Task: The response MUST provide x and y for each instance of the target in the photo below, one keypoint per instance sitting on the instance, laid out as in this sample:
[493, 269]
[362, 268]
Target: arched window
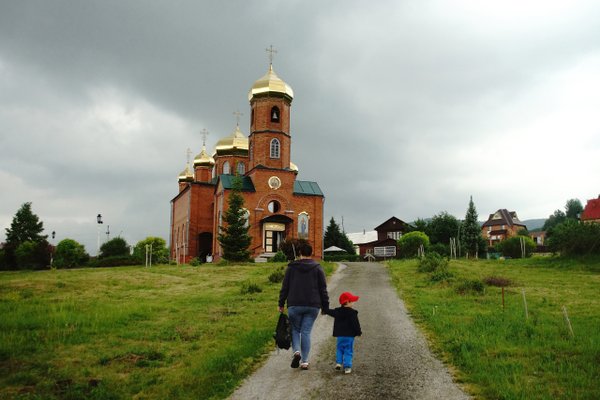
[274, 148]
[241, 168]
[226, 168]
[275, 114]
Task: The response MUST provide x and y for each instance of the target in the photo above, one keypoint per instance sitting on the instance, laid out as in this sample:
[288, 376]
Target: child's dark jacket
[345, 322]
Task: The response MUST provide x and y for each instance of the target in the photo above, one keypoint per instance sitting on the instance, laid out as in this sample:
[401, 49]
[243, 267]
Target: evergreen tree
[25, 235]
[335, 237]
[471, 237]
[25, 227]
[233, 236]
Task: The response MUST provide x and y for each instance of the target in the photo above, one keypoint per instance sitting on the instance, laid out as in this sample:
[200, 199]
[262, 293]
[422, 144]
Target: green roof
[307, 188]
[227, 182]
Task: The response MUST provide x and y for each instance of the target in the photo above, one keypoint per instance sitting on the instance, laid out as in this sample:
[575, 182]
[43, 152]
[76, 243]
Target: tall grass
[499, 353]
[153, 333]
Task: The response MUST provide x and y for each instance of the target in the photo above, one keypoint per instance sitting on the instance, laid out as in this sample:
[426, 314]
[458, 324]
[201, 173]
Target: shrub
[470, 286]
[574, 238]
[70, 254]
[409, 244]
[160, 252]
[276, 276]
[250, 287]
[194, 262]
[440, 248]
[497, 281]
[116, 247]
[279, 257]
[441, 275]
[342, 257]
[432, 262]
[511, 247]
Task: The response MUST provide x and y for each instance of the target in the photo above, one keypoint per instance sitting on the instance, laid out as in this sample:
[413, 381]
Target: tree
[573, 209]
[335, 237]
[471, 237]
[116, 247]
[511, 247]
[289, 247]
[70, 254]
[26, 227]
[442, 227]
[233, 236]
[410, 243]
[558, 217]
[420, 225]
[574, 238]
[160, 252]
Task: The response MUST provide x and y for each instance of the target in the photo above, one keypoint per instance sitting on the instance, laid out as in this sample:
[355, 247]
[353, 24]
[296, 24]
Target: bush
[116, 247]
[440, 248]
[194, 262]
[277, 275]
[497, 281]
[441, 275]
[70, 254]
[279, 257]
[409, 244]
[33, 255]
[115, 261]
[342, 257]
[250, 287]
[573, 238]
[432, 262]
[470, 286]
[511, 247]
[160, 252]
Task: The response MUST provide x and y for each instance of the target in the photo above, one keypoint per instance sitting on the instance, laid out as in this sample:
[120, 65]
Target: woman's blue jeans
[302, 319]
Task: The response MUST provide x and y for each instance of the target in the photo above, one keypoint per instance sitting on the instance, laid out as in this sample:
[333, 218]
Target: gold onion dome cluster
[186, 174]
[203, 159]
[270, 83]
[236, 141]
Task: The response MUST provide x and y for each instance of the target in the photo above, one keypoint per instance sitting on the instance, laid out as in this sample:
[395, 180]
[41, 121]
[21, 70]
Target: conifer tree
[25, 227]
[25, 245]
[233, 236]
[471, 231]
[335, 237]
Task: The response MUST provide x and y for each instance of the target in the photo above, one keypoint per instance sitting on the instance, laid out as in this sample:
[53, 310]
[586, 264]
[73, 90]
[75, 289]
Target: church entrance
[274, 234]
[204, 245]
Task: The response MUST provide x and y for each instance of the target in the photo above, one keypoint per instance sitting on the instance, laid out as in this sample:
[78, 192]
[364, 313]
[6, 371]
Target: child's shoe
[304, 366]
[338, 367]
[347, 370]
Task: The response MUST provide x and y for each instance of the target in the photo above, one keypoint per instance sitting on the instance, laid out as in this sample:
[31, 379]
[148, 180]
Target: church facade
[277, 205]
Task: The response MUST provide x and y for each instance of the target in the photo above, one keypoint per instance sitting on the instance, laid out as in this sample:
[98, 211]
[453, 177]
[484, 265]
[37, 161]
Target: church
[277, 205]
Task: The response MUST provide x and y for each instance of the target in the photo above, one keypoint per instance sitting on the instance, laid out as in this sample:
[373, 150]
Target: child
[345, 328]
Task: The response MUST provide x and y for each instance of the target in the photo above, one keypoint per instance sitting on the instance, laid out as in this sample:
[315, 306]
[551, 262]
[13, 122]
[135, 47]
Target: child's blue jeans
[344, 351]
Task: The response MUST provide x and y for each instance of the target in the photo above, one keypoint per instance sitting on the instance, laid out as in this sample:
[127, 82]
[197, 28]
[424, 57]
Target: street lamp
[52, 249]
[99, 220]
[107, 232]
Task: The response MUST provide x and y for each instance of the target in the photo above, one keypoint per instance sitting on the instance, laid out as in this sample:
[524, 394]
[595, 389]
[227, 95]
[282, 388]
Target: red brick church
[277, 205]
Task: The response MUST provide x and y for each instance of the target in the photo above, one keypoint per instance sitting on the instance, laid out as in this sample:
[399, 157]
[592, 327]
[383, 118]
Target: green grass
[499, 354]
[133, 332]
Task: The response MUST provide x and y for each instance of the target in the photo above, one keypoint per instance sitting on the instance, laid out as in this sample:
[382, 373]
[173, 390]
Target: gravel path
[391, 359]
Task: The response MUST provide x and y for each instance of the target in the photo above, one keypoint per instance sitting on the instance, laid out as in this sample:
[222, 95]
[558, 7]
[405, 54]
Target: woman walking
[305, 289]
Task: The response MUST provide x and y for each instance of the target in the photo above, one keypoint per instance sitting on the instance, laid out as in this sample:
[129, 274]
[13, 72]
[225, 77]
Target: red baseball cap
[346, 297]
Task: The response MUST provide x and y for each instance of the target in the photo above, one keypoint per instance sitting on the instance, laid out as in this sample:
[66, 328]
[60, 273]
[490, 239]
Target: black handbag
[283, 335]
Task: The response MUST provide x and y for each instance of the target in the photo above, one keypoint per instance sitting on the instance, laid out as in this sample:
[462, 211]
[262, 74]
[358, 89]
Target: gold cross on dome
[271, 52]
[238, 114]
[204, 134]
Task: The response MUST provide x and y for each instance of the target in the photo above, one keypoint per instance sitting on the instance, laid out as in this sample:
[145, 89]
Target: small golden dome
[236, 141]
[203, 159]
[293, 167]
[270, 83]
[186, 175]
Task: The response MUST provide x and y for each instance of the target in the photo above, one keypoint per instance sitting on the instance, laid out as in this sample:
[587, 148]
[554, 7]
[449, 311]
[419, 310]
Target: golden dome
[186, 174]
[293, 167]
[270, 83]
[203, 158]
[236, 141]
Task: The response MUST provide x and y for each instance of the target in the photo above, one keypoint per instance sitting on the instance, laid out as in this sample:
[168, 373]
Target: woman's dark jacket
[304, 284]
[345, 322]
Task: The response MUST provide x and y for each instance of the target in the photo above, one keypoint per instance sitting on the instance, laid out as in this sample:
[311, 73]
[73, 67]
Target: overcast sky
[401, 108]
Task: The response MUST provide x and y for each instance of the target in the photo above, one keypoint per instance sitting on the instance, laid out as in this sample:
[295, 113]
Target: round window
[273, 206]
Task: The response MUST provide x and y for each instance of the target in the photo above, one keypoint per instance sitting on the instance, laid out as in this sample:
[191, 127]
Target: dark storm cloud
[400, 108]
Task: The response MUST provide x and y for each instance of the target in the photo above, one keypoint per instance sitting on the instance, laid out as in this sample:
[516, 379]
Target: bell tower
[270, 103]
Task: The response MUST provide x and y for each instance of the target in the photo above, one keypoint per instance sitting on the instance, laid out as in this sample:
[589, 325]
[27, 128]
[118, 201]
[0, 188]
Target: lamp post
[99, 220]
[107, 232]
[52, 248]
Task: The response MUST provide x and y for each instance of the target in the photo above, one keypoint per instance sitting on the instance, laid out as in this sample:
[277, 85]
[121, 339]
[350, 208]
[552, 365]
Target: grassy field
[500, 353]
[132, 332]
